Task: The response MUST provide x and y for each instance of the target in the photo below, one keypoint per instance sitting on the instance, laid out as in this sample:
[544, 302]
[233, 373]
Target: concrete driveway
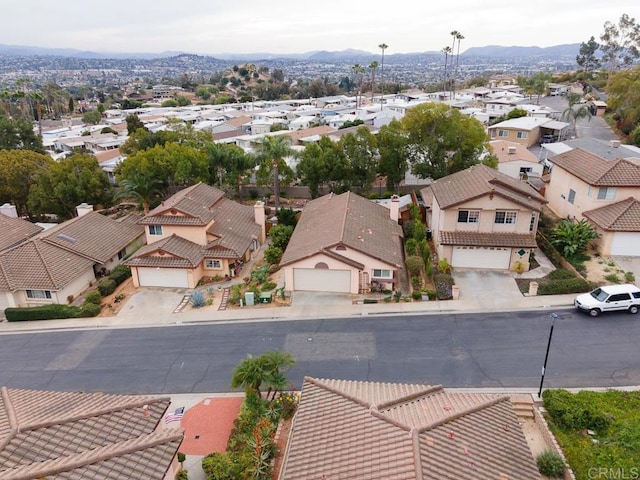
[150, 300]
[487, 289]
[629, 264]
[314, 299]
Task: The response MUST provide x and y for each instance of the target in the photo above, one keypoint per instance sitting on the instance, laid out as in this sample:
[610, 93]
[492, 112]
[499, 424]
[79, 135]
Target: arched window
[341, 247]
[321, 265]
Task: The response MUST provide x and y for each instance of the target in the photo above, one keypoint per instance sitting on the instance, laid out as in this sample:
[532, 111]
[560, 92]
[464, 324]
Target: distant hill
[348, 55]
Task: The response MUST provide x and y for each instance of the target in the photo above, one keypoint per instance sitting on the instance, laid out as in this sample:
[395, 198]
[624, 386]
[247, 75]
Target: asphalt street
[456, 350]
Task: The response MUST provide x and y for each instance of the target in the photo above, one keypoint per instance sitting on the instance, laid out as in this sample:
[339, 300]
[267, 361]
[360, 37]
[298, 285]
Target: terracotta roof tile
[494, 239]
[423, 433]
[478, 181]
[350, 220]
[623, 216]
[192, 206]
[597, 171]
[83, 436]
[95, 236]
[235, 226]
[178, 252]
[14, 231]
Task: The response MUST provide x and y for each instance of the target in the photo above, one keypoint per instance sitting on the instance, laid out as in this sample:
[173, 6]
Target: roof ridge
[94, 413]
[411, 396]
[343, 227]
[463, 413]
[44, 264]
[99, 454]
[326, 387]
[14, 428]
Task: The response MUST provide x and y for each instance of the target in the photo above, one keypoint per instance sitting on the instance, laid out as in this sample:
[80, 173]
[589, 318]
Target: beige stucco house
[196, 233]
[515, 160]
[605, 192]
[527, 131]
[344, 243]
[481, 218]
[62, 262]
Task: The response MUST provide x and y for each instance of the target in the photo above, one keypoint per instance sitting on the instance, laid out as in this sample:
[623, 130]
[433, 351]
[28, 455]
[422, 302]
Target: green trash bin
[265, 297]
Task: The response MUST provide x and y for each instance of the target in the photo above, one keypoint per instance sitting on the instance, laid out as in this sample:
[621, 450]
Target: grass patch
[614, 419]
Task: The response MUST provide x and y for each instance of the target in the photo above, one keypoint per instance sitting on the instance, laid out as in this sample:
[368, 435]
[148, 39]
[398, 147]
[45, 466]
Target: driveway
[487, 289]
[314, 299]
[150, 300]
[629, 264]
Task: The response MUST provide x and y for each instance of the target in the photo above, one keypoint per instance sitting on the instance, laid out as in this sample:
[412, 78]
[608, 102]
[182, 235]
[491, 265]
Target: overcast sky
[279, 26]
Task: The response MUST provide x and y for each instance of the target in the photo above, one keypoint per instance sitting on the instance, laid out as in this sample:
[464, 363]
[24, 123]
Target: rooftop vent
[66, 237]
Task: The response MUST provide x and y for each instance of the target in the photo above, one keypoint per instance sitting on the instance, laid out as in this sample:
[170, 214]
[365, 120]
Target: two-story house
[196, 233]
[527, 131]
[605, 192]
[481, 218]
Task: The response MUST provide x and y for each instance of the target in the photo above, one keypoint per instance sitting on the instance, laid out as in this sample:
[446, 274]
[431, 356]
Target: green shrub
[92, 297]
[431, 293]
[220, 466]
[411, 246]
[43, 312]
[89, 310]
[613, 278]
[629, 277]
[444, 266]
[273, 254]
[550, 464]
[120, 273]
[443, 283]
[574, 411]
[369, 300]
[267, 286]
[416, 282]
[416, 295]
[560, 274]
[408, 229]
[414, 264]
[560, 287]
[182, 474]
[106, 286]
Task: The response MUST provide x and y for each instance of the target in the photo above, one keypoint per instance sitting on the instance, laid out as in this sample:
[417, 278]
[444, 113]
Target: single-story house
[344, 243]
[196, 233]
[515, 160]
[372, 430]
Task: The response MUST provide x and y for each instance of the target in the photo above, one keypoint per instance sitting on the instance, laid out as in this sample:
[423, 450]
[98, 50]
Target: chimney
[614, 143]
[9, 210]
[394, 208]
[260, 217]
[83, 209]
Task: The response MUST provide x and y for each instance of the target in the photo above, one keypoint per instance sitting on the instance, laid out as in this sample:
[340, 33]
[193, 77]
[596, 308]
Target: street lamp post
[554, 317]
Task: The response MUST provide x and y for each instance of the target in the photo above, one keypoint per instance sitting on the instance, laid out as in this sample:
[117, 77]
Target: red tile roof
[480, 181]
[190, 206]
[488, 239]
[82, 436]
[371, 430]
[623, 216]
[597, 171]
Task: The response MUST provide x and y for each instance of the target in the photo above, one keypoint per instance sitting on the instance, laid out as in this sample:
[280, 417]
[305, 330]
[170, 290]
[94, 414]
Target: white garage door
[163, 277]
[626, 243]
[481, 257]
[321, 280]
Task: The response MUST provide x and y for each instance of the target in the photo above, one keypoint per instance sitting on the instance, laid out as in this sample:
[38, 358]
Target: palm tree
[573, 113]
[273, 150]
[275, 362]
[459, 37]
[446, 51]
[358, 71]
[383, 47]
[250, 374]
[373, 67]
[142, 188]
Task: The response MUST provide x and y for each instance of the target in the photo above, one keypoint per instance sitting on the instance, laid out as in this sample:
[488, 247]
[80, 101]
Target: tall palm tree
[576, 111]
[142, 188]
[373, 67]
[447, 52]
[358, 71]
[383, 47]
[250, 374]
[273, 150]
[459, 37]
[275, 362]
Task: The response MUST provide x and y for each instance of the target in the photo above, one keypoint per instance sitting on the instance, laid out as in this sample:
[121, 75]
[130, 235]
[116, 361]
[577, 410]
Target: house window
[39, 294]
[155, 229]
[522, 135]
[572, 196]
[122, 253]
[506, 217]
[532, 223]
[468, 216]
[606, 193]
[212, 263]
[503, 133]
[379, 273]
[526, 169]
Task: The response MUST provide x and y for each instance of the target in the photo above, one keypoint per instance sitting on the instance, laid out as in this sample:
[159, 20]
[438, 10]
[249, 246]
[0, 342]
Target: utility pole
[554, 317]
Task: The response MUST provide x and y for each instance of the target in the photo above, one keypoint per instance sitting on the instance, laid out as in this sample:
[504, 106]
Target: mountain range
[348, 55]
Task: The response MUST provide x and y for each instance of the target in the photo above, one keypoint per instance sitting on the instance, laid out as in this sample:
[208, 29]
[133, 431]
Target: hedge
[106, 286]
[559, 287]
[120, 273]
[50, 312]
[92, 297]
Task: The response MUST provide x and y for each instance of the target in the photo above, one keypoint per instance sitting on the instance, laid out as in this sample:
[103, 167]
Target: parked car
[609, 298]
[548, 138]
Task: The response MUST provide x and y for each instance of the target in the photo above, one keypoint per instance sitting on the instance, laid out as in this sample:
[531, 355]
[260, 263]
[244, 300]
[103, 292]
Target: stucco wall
[513, 168]
[194, 234]
[75, 288]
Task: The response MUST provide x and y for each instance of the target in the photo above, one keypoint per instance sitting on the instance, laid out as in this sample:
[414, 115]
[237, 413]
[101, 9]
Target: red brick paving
[211, 423]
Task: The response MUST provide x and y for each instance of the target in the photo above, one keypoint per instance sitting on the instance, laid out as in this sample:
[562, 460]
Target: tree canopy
[624, 98]
[68, 183]
[19, 133]
[19, 170]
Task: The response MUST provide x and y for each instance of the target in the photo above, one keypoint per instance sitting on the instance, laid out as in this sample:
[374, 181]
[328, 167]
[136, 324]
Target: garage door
[322, 280]
[626, 243]
[163, 277]
[481, 257]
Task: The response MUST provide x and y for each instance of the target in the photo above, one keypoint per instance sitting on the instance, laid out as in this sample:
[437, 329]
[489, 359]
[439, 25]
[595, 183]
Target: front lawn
[598, 431]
